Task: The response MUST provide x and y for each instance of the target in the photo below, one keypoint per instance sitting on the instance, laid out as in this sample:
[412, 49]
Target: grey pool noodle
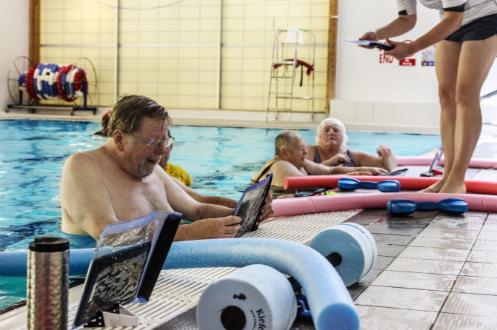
[329, 300]
[357, 232]
[354, 254]
[373, 249]
[251, 297]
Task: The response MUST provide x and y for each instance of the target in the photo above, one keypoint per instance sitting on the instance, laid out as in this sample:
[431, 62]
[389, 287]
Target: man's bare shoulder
[83, 161]
[282, 164]
[285, 168]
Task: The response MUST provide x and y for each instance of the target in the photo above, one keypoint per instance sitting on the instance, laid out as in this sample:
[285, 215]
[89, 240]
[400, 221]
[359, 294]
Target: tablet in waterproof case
[250, 205]
[126, 264]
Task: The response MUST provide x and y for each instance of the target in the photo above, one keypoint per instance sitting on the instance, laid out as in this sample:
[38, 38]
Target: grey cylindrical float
[48, 284]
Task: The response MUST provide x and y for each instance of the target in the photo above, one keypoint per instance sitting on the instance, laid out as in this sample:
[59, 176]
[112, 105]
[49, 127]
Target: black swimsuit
[350, 163]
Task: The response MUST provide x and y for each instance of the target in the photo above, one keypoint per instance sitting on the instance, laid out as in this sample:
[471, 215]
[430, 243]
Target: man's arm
[86, 205]
[317, 169]
[217, 200]
[180, 201]
[225, 227]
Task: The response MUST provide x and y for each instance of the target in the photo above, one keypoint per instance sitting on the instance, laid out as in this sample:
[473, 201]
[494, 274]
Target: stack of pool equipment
[350, 248]
[253, 297]
[50, 81]
[259, 297]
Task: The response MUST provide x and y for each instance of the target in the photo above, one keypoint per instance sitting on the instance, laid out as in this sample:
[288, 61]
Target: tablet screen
[249, 206]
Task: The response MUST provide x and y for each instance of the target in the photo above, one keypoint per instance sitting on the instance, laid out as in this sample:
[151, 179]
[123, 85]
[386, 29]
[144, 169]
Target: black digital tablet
[125, 273]
[381, 45]
[250, 204]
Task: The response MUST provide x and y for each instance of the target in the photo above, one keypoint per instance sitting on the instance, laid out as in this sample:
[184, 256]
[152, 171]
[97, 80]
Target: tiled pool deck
[434, 272]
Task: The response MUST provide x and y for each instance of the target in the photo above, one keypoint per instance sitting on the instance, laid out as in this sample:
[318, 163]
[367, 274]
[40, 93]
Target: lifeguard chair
[294, 52]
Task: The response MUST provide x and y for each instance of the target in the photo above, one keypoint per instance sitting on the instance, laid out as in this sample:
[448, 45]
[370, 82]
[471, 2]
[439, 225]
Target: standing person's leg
[475, 61]
[446, 59]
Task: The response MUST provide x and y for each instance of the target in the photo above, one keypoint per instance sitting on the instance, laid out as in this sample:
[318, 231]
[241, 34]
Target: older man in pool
[121, 179]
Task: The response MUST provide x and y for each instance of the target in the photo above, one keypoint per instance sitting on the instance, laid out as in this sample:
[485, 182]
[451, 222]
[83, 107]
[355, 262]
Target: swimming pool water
[220, 161]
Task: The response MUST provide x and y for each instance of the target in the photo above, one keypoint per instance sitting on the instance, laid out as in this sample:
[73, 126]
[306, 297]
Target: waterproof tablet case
[250, 205]
[127, 262]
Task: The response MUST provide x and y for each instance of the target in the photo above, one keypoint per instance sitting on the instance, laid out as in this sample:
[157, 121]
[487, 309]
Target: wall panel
[169, 50]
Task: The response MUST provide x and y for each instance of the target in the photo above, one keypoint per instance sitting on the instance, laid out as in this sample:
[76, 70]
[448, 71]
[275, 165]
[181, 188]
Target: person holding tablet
[121, 180]
[466, 47]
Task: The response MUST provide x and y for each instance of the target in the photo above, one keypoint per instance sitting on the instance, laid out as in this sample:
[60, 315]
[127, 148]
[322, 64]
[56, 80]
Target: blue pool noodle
[329, 300]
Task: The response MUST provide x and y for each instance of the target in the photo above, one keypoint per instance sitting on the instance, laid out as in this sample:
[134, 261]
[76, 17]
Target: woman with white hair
[331, 149]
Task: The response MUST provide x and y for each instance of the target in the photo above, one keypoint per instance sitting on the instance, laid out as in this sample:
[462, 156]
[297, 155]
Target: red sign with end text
[407, 62]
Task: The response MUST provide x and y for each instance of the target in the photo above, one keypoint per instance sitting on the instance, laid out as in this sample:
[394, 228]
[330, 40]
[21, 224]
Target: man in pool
[121, 180]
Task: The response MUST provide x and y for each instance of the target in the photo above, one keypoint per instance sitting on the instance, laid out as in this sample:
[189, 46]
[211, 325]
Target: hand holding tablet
[250, 205]
[372, 44]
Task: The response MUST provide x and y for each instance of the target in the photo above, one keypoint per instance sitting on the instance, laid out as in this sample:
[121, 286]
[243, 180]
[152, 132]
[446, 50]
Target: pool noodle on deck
[330, 302]
[406, 182]
[341, 202]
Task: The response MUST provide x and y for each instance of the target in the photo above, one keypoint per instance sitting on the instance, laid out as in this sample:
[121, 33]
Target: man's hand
[225, 227]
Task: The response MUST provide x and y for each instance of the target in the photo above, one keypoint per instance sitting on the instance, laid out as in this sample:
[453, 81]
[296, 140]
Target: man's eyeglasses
[154, 143]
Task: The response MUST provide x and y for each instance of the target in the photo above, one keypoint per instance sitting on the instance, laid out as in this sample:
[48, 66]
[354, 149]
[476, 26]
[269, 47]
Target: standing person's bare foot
[453, 188]
[434, 188]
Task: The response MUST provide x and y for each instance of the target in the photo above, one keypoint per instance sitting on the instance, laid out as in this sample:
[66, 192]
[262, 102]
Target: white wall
[378, 96]
[14, 39]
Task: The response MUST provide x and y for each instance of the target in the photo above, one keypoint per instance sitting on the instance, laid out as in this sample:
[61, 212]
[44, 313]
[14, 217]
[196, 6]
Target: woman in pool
[466, 46]
[331, 149]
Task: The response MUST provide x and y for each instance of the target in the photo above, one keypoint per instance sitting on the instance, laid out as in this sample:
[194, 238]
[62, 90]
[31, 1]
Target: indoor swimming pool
[220, 161]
